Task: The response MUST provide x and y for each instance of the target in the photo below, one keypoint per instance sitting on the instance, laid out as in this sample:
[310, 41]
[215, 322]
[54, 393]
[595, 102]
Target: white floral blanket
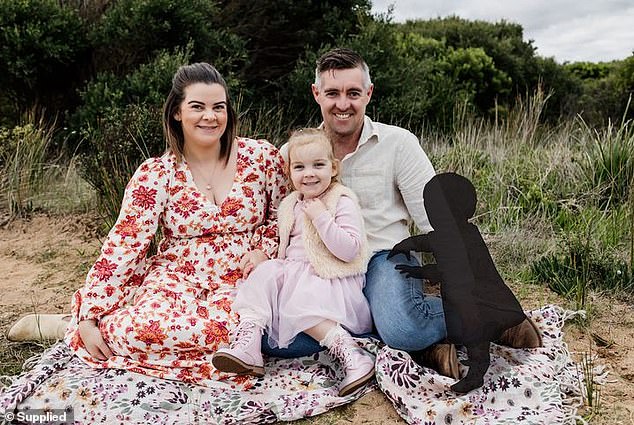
[522, 386]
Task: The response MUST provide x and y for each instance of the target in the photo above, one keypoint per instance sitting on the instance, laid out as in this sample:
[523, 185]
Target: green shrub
[120, 126]
[42, 48]
[578, 267]
[609, 162]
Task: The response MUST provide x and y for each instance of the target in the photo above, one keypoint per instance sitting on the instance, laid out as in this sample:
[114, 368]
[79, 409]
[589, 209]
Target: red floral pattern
[165, 315]
[144, 197]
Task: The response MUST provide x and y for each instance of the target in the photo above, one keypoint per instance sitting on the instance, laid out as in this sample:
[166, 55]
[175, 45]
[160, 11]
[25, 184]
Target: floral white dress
[165, 315]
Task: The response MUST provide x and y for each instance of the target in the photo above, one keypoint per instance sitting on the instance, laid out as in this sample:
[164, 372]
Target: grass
[14, 354]
[554, 182]
[591, 389]
[22, 157]
[34, 177]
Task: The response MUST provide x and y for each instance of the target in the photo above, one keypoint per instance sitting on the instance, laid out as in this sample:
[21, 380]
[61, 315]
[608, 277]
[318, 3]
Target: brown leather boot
[524, 335]
[442, 357]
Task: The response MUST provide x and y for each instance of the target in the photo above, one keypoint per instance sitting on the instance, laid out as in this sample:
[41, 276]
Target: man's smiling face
[343, 97]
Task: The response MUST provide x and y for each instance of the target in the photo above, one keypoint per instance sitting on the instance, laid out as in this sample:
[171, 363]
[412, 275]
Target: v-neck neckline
[190, 176]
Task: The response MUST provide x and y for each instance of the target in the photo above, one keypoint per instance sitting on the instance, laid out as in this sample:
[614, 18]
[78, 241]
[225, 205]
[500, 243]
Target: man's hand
[313, 208]
[93, 341]
[250, 261]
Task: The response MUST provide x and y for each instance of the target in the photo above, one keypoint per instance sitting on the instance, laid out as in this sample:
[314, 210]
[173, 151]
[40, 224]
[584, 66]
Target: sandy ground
[44, 259]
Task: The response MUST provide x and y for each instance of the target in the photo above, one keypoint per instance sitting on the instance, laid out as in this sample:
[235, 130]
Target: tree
[42, 51]
[277, 32]
[131, 32]
[502, 41]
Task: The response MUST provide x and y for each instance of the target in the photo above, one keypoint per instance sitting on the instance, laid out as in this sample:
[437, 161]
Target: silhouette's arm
[428, 271]
[410, 271]
[418, 243]
[431, 273]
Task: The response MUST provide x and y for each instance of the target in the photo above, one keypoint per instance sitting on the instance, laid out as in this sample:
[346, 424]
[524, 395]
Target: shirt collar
[369, 131]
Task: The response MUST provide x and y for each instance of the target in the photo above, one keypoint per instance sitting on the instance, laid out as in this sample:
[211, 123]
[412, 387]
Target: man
[387, 169]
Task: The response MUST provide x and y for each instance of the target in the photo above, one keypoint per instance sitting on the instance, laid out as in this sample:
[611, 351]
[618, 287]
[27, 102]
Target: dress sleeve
[413, 171]
[266, 236]
[109, 280]
[342, 233]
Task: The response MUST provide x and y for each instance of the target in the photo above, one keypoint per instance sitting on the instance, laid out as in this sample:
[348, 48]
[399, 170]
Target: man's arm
[413, 170]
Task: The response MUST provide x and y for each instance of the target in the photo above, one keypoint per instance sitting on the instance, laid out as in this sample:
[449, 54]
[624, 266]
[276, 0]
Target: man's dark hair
[341, 58]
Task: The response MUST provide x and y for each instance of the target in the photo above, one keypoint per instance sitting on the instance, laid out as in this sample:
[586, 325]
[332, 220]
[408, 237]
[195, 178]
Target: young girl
[315, 286]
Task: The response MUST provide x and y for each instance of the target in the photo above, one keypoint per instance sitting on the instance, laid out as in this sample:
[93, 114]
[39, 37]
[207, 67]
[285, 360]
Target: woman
[214, 196]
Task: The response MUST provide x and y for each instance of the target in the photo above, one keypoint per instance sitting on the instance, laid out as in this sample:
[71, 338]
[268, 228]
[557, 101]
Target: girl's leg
[244, 355]
[320, 330]
[256, 303]
[357, 365]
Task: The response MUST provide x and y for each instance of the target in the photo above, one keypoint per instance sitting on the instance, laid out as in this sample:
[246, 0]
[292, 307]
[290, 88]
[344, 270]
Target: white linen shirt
[387, 171]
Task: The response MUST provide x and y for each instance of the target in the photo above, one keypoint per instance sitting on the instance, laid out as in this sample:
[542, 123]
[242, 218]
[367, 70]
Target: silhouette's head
[449, 199]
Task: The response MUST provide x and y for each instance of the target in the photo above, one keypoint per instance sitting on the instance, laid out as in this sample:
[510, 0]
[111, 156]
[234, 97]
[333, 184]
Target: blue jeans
[303, 345]
[404, 317]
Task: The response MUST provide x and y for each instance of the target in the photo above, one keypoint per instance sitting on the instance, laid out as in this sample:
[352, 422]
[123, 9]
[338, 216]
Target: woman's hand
[93, 341]
[313, 207]
[250, 260]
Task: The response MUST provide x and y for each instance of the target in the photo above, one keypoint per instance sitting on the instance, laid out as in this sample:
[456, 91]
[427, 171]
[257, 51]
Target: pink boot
[357, 364]
[244, 355]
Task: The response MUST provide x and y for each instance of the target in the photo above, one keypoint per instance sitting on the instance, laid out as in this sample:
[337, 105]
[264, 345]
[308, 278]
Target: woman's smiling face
[203, 114]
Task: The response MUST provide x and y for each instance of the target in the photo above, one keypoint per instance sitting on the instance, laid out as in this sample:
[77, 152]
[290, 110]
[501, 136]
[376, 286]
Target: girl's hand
[313, 207]
[250, 260]
[93, 341]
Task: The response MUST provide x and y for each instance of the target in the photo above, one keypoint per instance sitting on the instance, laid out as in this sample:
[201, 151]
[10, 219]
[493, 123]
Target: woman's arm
[265, 237]
[110, 278]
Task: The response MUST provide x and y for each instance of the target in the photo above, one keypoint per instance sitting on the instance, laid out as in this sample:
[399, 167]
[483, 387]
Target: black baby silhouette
[478, 305]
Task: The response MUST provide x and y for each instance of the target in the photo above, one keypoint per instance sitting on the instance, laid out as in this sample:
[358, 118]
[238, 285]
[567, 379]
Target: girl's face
[203, 114]
[311, 169]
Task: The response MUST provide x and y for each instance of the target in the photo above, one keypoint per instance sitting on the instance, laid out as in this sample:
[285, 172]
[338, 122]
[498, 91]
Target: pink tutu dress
[286, 296]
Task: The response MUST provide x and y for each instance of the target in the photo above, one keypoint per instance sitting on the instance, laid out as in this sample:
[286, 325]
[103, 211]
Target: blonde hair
[304, 137]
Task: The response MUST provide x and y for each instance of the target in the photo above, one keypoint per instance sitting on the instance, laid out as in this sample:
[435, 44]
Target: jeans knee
[409, 332]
